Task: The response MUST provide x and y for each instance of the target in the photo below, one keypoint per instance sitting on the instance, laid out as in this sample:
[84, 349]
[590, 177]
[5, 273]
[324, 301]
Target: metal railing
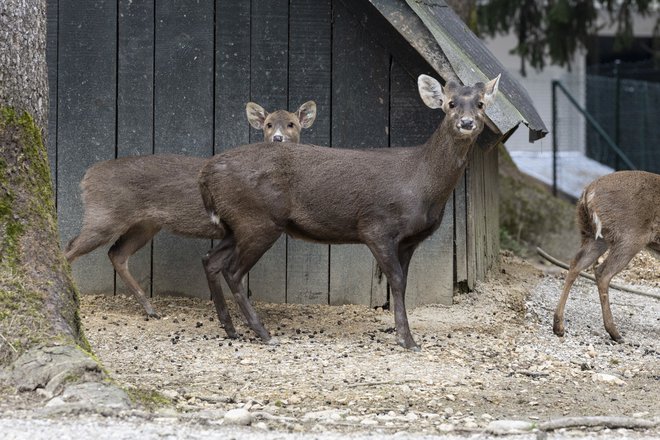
[591, 121]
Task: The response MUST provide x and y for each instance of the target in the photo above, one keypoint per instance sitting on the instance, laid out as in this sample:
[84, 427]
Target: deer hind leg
[214, 262]
[589, 252]
[617, 259]
[389, 260]
[128, 244]
[240, 256]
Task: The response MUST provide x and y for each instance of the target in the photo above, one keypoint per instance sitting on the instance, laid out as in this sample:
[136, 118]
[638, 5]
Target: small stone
[445, 427]
[449, 411]
[369, 422]
[591, 351]
[607, 378]
[55, 401]
[450, 397]
[238, 416]
[261, 425]
[502, 427]
[411, 416]
[170, 394]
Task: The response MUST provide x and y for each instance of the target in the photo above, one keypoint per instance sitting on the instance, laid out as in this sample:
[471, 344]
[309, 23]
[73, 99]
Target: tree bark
[38, 300]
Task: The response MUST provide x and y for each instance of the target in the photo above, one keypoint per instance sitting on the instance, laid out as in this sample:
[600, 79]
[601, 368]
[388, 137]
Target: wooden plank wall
[135, 78]
[135, 105]
[86, 118]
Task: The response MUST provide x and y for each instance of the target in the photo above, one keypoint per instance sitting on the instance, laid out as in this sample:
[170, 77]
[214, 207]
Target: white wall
[538, 84]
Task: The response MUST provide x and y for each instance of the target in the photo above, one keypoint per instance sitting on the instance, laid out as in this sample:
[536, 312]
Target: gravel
[338, 371]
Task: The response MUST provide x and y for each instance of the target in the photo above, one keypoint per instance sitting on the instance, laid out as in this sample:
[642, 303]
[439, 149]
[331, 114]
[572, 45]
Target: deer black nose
[467, 123]
[277, 138]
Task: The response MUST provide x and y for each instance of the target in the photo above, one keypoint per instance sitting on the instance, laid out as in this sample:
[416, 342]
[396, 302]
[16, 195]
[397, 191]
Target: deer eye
[269, 125]
[451, 104]
[290, 125]
[480, 105]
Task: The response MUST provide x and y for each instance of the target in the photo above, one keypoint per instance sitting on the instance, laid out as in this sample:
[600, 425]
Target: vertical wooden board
[460, 232]
[470, 222]
[493, 212]
[411, 121]
[135, 93]
[431, 272]
[52, 18]
[360, 113]
[310, 47]
[135, 78]
[183, 123]
[86, 120]
[269, 83]
[232, 78]
[479, 208]
[232, 74]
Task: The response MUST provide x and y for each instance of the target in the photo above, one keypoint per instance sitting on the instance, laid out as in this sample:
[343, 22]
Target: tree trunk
[38, 300]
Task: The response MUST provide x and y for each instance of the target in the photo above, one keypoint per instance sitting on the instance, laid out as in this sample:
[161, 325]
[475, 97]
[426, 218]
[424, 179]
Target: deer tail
[587, 218]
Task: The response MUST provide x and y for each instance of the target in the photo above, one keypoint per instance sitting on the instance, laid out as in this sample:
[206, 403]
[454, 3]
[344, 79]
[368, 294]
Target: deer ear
[490, 89]
[431, 91]
[307, 114]
[256, 115]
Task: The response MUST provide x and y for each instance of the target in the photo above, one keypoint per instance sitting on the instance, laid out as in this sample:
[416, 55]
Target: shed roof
[449, 47]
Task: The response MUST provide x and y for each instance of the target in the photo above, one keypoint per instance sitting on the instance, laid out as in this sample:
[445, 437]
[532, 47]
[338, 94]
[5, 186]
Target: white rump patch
[215, 219]
[599, 226]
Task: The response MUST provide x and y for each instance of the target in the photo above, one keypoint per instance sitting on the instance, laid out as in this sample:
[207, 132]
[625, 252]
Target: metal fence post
[617, 110]
[554, 138]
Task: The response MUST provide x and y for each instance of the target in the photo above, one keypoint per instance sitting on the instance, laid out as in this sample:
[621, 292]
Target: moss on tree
[32, 269]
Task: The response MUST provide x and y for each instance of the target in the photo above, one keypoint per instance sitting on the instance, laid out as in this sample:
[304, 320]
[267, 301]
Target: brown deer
[619, 212]
[389, 199]
[129, 200]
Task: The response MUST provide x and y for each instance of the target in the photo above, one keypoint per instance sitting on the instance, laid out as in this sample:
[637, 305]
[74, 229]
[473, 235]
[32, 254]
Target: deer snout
[466, 124]
[278, 138]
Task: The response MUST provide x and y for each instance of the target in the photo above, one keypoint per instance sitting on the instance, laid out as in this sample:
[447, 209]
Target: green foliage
[556, 29]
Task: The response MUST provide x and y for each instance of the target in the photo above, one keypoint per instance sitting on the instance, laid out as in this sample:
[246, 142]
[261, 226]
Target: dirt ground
[490, 356]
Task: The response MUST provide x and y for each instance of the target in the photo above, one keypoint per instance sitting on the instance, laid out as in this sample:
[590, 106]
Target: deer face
[281, 125]
[464, 106]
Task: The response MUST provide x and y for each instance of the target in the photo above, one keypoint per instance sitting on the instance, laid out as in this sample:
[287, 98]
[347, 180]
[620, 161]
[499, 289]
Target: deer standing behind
[390, 199]
[619, 212]
[128, 201]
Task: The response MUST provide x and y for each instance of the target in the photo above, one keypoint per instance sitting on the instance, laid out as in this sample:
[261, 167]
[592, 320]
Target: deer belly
[322, 232]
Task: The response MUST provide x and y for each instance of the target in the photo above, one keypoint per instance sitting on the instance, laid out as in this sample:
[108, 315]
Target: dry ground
[490, 356]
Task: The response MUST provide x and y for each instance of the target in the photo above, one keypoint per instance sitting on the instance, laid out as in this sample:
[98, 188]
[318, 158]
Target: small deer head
[281, 125]
[464, 106]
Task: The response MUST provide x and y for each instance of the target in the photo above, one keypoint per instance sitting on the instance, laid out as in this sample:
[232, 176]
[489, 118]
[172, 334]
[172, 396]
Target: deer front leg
[388, 260]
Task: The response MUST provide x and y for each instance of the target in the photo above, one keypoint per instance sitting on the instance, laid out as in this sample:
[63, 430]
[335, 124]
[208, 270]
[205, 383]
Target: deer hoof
[272, 341]
[616, 338]
[231, 333]
[410, 345]
[153, 315]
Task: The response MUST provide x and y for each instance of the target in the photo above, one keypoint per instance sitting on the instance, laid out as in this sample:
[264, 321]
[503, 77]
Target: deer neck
[446, 154]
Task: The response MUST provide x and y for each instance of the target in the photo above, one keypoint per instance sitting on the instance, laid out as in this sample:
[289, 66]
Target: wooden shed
[145, 77]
